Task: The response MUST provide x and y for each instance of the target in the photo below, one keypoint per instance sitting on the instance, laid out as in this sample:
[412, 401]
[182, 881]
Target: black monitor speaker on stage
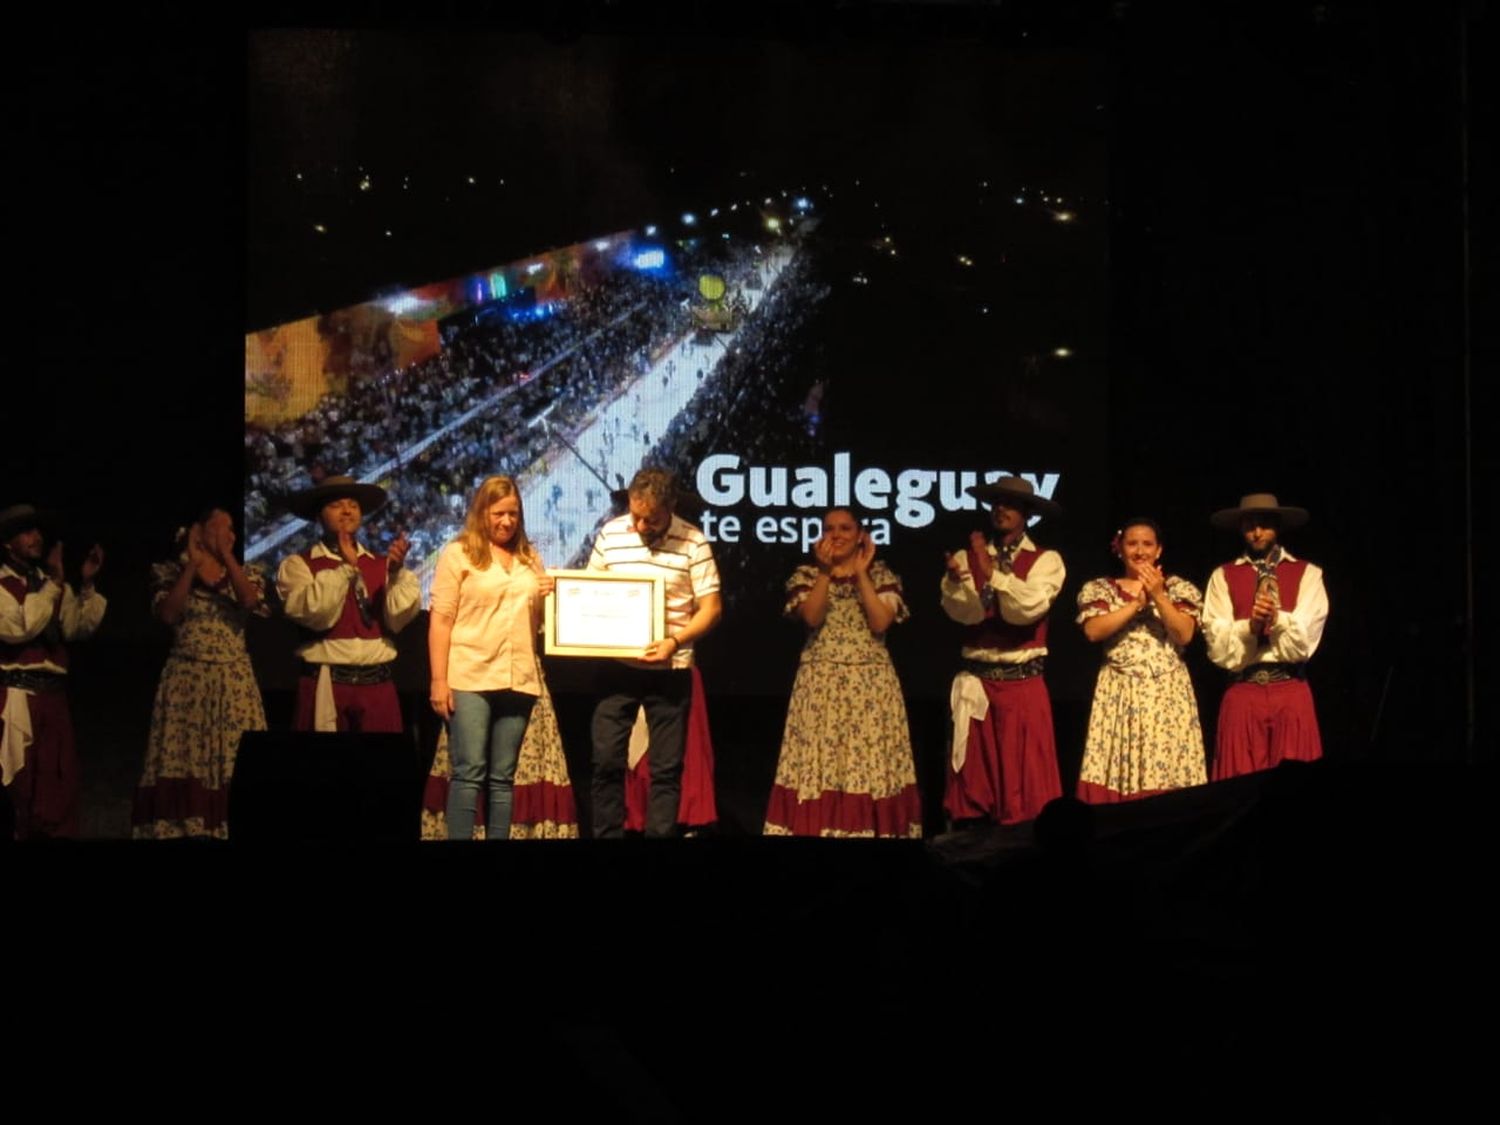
[308, 786]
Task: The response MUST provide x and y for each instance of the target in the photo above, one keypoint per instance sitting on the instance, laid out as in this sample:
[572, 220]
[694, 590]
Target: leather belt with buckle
[1269, 674]
[989, 671]
[360, 675]
[34, 680]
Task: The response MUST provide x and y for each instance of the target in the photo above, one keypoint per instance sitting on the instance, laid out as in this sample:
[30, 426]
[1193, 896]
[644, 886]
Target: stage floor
[1316, 932]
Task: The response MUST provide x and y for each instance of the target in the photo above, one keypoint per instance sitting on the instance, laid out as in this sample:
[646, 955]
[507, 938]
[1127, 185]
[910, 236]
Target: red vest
[350, 624]
[36, 651]
[994, 631]
[1241, 578]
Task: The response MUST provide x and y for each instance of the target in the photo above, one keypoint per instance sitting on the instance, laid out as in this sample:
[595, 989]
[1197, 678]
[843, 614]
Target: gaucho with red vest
[1003, 762]
[350, 603]
[1263, 616]
[39, 615]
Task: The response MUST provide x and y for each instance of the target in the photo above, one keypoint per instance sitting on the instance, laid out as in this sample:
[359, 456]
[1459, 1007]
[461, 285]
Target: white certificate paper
[595, 613]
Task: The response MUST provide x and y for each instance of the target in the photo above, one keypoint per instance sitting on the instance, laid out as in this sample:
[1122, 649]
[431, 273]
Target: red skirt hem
[838, 813]
[1103, 795]
[178, 799]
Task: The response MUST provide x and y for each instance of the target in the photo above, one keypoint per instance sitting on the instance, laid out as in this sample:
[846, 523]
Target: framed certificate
[596, 613]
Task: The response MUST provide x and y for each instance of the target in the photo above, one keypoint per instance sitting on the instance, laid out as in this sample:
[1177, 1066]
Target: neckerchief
[360, 590]
[1266, 581]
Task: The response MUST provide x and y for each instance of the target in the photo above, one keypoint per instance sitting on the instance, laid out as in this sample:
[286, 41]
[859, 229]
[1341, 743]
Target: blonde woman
[486, 602]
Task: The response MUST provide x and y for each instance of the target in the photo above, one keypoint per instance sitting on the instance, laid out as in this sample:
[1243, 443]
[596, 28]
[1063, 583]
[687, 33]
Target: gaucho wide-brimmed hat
[309, 502]
[1016, 492]
[1258, 503]
[23, 517]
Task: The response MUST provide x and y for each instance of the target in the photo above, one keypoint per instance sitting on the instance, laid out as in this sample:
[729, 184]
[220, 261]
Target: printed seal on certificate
[598, 613]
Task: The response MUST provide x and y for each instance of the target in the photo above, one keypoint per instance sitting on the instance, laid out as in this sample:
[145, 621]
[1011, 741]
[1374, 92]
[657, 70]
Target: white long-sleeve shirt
[1019, 601]
[1295, 633]
[22, 622]
[316, 601]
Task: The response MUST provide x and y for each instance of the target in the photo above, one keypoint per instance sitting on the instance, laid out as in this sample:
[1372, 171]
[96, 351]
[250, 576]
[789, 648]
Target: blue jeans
[484, 741]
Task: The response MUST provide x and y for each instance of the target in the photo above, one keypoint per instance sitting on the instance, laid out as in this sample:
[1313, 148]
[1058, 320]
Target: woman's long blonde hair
[475, 535]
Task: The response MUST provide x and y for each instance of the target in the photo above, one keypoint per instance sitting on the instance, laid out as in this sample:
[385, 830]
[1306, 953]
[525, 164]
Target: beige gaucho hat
[1018, 493]
[1258, 503]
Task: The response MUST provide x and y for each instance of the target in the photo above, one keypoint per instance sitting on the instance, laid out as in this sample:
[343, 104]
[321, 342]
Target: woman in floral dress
[846, 762]
[207, 696]
[1144, 736]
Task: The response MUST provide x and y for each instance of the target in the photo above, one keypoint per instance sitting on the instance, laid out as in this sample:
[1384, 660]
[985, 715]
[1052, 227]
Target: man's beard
[1268, 554]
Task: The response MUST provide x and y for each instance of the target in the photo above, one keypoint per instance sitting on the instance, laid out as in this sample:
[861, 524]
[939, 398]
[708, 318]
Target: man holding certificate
[650, 541]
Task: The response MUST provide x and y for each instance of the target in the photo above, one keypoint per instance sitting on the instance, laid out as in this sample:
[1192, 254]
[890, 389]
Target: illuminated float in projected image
[716, 310]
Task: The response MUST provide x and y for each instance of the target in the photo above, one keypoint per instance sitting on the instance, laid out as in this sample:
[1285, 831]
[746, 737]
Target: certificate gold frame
[598, 613]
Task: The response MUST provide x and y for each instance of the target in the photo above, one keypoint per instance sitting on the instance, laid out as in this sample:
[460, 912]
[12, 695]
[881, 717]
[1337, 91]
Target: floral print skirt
[846, 761]
[202, 708]
[1144, 736]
